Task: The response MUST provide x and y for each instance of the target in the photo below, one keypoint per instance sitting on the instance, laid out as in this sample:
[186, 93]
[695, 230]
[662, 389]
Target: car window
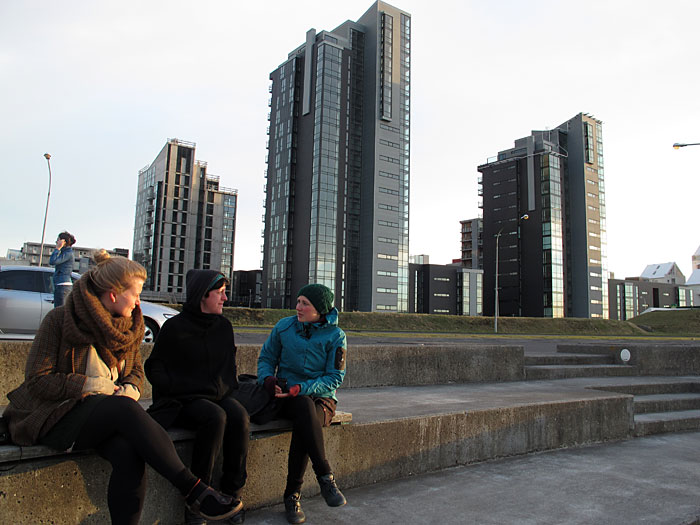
[20, 280]
[47, 282]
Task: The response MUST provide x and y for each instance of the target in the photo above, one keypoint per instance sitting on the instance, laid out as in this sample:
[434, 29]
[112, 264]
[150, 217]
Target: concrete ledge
[361, 453]
[368, 365]
[408, 365]
[13, 453]
[651, 359]
[387, 365]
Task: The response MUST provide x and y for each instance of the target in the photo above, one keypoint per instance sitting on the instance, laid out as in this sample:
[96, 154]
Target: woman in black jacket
[193, 369]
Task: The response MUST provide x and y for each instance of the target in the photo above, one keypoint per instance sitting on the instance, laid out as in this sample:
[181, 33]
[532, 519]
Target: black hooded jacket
[194, 356]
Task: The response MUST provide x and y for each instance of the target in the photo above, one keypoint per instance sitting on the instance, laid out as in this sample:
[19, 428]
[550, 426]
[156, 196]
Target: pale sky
[101, 86]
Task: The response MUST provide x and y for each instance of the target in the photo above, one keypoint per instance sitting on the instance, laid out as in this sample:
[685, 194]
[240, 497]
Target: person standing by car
[302, 363]
[192, 369]
[82, 383]
[62, 258]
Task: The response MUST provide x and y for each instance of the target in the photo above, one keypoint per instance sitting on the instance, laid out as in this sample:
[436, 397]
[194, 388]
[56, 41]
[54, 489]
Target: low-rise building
[630, 297]
[30, 252]
[246, 289]
[663, 273]
[445, 289]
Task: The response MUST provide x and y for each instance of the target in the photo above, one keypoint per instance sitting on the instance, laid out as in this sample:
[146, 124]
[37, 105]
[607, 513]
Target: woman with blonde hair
[82, 382]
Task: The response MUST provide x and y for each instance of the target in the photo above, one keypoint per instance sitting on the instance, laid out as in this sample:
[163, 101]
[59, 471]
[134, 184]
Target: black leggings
[223, 422]
[126, 436]
[307, 440]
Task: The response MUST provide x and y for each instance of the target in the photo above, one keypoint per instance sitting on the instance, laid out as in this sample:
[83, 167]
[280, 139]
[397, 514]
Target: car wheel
[149, 336]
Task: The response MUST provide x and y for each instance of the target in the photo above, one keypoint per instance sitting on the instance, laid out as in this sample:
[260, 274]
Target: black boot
[292, 508]
[330, 491]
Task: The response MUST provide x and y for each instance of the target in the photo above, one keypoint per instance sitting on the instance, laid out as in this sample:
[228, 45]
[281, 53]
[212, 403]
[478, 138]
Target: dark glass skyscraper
[337, 192]
[544, 200]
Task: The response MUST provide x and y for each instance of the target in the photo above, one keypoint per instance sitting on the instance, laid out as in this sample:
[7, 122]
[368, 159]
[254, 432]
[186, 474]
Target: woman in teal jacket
[302, 363]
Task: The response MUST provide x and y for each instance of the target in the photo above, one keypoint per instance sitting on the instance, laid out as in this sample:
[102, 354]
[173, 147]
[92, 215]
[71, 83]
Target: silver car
[26, 296]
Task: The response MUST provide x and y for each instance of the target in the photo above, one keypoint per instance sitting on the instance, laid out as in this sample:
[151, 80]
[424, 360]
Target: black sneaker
[193, 519]
[292, 508]
[210, 504]
[237, 518]
[330, 491]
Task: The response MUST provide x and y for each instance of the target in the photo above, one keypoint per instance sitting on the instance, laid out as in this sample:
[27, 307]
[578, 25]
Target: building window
[386, 307]
[387, 240]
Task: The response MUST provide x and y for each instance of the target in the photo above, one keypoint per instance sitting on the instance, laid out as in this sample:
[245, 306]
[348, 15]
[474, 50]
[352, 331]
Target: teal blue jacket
[311, 355]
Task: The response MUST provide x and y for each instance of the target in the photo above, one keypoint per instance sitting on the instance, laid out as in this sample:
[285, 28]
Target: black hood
[198, 282]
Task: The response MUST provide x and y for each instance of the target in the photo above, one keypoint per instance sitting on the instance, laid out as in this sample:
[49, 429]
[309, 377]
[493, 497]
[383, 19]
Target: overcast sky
[102, 85]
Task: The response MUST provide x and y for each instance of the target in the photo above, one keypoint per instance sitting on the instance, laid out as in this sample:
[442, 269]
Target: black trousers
[126, 436]
[307, 419]
[218, 425]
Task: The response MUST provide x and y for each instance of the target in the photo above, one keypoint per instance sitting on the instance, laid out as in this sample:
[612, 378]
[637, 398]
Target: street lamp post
[495, 309]
[46, 213]
[678, 145]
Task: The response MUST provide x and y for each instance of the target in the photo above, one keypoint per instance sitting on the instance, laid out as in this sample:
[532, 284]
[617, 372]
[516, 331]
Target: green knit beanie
[319, 295]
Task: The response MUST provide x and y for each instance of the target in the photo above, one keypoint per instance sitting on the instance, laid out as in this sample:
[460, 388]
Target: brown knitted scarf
[87, 321]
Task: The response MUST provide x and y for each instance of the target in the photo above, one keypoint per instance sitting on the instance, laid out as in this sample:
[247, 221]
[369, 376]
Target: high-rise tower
[544, 200]
[184, 219]
[337, 192]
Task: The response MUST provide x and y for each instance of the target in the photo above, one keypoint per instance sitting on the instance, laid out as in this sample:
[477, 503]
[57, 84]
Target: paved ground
[652, 480]
[414, 401]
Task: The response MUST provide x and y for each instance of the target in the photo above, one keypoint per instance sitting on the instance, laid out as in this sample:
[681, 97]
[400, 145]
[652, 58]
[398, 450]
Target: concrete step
[568, 359]
[661, 422]
[643, 389]
[666, 402]
[545, 372]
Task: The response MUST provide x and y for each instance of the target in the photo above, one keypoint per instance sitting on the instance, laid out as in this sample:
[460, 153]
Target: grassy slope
[682, 323]
[447, 323]
[672, 322]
